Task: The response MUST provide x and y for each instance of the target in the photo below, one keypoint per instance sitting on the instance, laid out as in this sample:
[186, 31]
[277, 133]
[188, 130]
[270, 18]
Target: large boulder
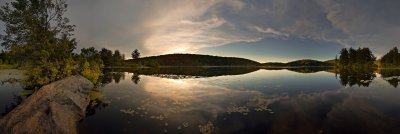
[56, 108]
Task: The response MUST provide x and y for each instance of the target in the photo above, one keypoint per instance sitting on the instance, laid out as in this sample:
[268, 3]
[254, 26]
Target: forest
[39, 39]
[391, 59]
[363, 57]
[191, 60]
[351, 58]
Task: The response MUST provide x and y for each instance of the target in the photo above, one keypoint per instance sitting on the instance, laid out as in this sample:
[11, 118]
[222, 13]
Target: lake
[238, 100]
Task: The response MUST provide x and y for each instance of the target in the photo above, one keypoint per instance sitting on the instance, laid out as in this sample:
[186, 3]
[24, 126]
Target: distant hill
[274, 64]
[187, 72]
[191, 60]
[299, 63]
[331, 62]
[308, 62]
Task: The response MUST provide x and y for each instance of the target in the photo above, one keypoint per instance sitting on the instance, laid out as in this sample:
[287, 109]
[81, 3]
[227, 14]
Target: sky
[261, 30]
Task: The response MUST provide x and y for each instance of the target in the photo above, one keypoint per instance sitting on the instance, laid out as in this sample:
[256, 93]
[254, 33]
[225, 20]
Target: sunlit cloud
[187, 26]
[270, 31]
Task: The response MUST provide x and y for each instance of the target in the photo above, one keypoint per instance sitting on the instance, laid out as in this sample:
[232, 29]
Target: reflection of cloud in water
[194, 95]
[186, 104]
[191, 103]
[344, 111]
[191, 90]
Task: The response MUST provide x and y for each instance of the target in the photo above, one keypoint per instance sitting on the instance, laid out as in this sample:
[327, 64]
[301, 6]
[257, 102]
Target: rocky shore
[55, 108]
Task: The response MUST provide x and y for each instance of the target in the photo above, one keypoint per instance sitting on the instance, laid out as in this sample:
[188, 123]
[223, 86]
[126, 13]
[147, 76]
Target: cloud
[172, 26]
[270, 31]
[368, 23]
[154, 27]
[188, 28]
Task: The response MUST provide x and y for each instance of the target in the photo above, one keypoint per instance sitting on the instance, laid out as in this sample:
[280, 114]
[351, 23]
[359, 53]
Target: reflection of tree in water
[117, 76]
[188, 72]
[135, 78]
[332, 113]
[98, 101]
[107, 77]
[361, 76]
[308, 69]
[392, 76]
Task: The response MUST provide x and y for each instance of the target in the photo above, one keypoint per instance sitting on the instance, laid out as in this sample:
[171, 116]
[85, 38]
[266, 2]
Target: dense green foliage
[91, 64]
[39, 39]
[299, 63]
[191, 60]
[391, 59]
[362, 57]
[92, 61]
[7, 58]
[117, 58]
[111, 59]
[344, 57]
[38, 34]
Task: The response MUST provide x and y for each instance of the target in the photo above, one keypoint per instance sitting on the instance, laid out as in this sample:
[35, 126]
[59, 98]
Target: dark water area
[11, 91]
[246, 100]
[242, 100]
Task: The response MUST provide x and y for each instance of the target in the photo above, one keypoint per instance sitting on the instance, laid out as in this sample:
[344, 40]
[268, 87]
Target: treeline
[391, 59]
[105, 56]
[362, 57]
[299, 63]
[7, 58]
[92, 61]
[39, 39]
[191, 60]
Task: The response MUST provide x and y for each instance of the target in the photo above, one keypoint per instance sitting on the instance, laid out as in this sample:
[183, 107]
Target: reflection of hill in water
[303, 69]
[348, 77]
[199, 72]
[188, 72]
[309, 70]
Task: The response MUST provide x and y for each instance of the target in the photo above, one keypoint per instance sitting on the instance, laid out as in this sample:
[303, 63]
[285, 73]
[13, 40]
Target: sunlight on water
[273, 100]
[240, 100]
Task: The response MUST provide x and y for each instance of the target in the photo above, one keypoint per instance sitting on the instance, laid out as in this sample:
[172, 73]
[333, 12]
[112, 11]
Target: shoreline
[122, 67]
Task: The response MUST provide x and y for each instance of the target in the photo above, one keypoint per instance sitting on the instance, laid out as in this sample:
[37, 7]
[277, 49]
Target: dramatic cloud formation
[190, 26]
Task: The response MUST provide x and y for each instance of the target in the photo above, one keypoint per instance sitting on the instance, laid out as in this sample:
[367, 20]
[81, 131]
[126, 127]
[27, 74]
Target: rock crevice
[55, 108]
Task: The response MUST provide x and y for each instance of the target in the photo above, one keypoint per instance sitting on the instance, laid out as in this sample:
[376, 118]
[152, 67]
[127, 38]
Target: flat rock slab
[56, 108]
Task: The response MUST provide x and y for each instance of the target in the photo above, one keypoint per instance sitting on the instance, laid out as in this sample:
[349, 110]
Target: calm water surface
[242, 100]
[11, 91]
